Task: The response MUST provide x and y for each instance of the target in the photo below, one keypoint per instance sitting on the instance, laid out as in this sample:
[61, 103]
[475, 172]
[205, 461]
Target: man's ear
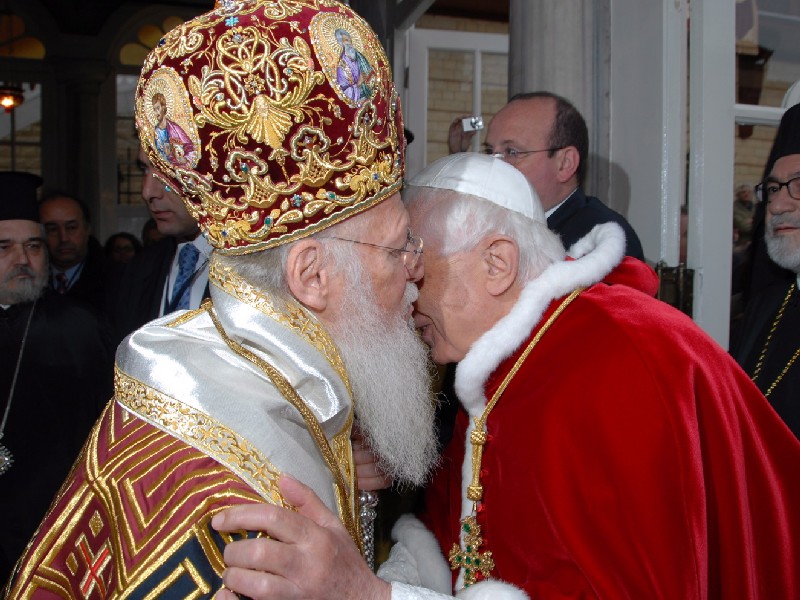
[306, 275]
[568, 162]
[501, 264]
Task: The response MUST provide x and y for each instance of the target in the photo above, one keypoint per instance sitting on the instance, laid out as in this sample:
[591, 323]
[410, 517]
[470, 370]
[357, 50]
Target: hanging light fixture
[11, 96]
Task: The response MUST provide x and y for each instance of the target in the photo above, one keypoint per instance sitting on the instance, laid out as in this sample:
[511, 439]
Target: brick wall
[451, 82]
[751, 153]
[450, 95]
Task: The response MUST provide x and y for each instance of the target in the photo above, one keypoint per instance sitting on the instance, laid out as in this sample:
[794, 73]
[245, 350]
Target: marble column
[77, 112]
[563, 46]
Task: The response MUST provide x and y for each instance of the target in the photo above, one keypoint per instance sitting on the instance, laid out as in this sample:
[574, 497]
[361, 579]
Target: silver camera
[472, 123]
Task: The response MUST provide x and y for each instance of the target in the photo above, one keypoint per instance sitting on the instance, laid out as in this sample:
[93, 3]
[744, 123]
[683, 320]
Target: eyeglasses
[513, 155]
[410, 253]
[769, 189]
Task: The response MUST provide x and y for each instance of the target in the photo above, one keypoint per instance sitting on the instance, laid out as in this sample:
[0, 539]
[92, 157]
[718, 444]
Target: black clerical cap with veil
[787, 139]
[18, 196]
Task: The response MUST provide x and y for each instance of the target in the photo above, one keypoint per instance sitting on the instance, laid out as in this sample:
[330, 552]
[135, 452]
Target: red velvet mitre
[269, 133]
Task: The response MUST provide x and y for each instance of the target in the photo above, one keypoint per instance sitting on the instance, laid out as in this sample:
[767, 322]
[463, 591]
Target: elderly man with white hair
[606, 447]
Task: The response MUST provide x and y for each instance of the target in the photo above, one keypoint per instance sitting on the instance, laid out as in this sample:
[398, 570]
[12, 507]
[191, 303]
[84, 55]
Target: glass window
[129, 176]
[767, 53]
[20, 133]
[451, 84]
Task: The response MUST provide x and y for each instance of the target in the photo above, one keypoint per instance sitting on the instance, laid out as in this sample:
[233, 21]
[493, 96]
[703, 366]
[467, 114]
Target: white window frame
[418, 45]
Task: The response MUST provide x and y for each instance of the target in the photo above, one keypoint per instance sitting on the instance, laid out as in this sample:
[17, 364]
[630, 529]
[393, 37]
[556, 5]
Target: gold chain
[314, 428]
[479, 435]
[471, 559]
[762, 356]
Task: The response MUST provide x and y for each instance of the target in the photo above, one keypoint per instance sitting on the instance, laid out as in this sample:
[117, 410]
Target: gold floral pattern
[200, 431]
[285, 147]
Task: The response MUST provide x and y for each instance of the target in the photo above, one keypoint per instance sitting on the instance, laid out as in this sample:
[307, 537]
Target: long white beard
[783, 251]
[390, 375]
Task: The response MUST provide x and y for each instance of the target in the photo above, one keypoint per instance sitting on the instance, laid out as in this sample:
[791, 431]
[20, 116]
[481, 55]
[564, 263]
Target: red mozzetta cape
[630, 457]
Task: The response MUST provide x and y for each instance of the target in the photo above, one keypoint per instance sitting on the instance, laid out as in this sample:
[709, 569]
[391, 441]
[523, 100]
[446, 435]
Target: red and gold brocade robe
[194, 427]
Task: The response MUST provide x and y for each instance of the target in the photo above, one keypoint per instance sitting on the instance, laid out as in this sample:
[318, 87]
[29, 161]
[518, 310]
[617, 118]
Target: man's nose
[151, 187]
[782, 202]
[20, 255]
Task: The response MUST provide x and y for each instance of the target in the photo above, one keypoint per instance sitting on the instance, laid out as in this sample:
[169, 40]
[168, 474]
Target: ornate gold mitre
[271, 119]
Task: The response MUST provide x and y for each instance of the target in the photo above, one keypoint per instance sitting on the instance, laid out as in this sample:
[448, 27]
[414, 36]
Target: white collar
[596, 254]
[547, 213]
[202, 245]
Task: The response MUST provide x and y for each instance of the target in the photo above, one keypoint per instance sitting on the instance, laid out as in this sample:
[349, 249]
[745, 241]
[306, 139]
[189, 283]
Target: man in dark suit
[76, 257]
[154, 283]
[544, 136]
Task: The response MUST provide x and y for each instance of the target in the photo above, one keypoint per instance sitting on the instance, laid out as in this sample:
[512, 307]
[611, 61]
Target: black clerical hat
[18, 196]
[787, 139]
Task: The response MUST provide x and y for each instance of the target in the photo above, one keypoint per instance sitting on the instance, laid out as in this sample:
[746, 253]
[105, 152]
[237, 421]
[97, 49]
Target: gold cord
[479, 434]
[762, 356]
[314, 428]
[471, 559]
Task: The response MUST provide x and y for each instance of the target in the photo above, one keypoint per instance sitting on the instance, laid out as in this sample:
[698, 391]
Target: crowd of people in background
[65, 304]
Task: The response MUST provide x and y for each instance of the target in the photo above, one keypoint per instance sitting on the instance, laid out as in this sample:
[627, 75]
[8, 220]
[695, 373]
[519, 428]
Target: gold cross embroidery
[470, 558]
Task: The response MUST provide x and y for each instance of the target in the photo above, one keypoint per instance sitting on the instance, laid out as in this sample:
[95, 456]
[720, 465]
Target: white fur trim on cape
[485, 590]
[418, 570]
[403, 591]
[596, 254]
[416, 557]
[492, 590]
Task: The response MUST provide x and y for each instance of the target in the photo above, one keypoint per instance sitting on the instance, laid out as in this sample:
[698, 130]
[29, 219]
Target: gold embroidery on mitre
[293, 316]
[254, 86]
[276, 9]
[200, 431]
[245, 104]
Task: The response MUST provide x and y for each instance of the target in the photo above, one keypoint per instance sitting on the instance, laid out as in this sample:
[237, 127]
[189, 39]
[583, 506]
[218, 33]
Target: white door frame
[650, 70]
[418, 44]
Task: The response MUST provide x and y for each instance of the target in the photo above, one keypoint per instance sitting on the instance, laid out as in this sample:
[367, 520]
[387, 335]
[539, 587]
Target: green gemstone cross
[470, 559]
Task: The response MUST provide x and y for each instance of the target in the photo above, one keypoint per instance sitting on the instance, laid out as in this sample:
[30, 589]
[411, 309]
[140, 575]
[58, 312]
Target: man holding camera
[544, 136]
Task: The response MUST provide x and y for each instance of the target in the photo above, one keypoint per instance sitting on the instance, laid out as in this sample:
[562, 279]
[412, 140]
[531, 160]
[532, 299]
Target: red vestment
[629, 457]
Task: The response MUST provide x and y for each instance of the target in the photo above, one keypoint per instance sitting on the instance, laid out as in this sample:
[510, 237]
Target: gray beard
[25, 291]
[390, 375]
[784, 252]
[350, 51]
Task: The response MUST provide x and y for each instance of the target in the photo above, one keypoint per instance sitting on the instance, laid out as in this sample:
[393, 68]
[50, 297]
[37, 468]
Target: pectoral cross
[472, 561]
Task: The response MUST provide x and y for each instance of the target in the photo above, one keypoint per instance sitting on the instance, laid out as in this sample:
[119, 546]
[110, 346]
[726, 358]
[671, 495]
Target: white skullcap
[484, 177]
